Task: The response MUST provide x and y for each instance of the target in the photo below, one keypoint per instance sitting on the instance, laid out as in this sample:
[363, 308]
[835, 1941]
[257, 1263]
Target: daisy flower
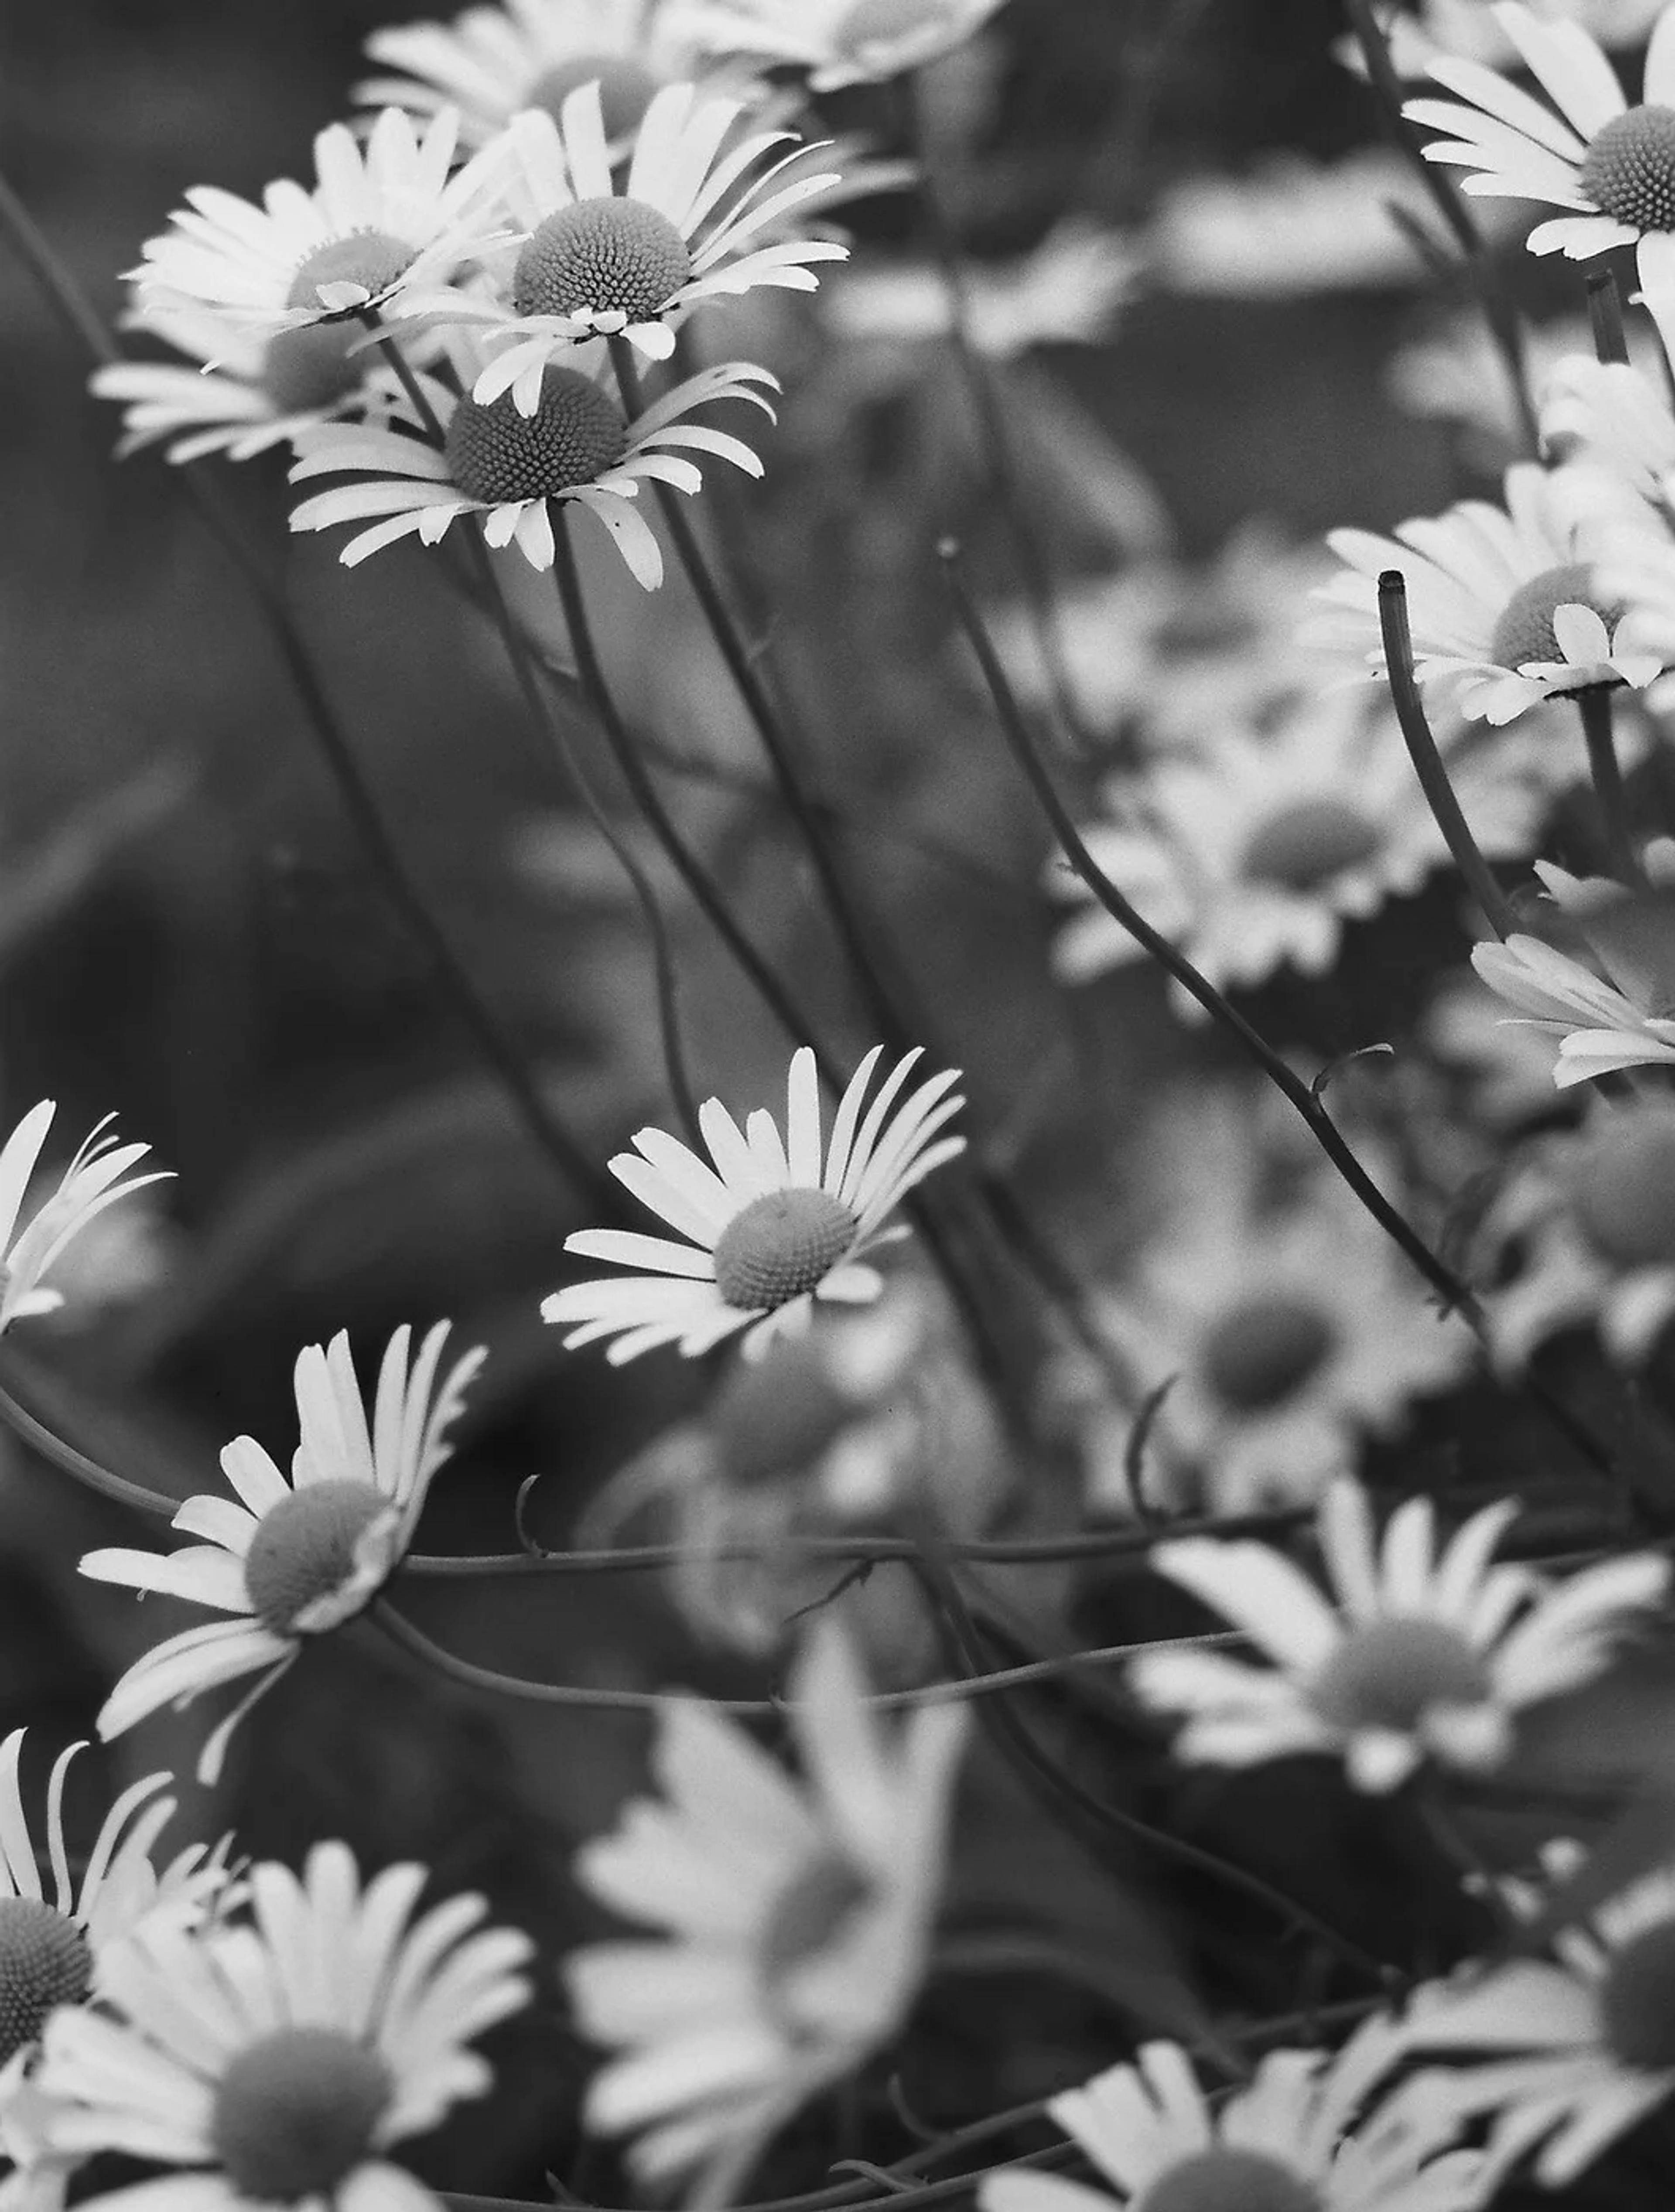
[1467, 29]
[1423, 1657]
[1256, 847]
[1614, 414]
[837, 42]
[279, 2062]
[379, 217]
[1504, 1070]
[1506, 605]
[601, 261]
[796, 1920]
[1610, 166]
[1069, 291]
[1586, 2045]
[490, 63]
[1289, 2140]
[32, 1237]
[1291, 1328]
[770, 1226]
[511, 468]
[245, 393]
[293, 1559]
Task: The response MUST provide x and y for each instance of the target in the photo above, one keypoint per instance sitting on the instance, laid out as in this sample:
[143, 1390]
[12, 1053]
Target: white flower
[1254, 848]
[1504, 1068]
[1291, 1328]
[1425, 1657]
[1289, 2140]
[1613, 413]
[278, 2064]
[1068, 291]
[32, 1239]
[600, 261]
[797, 1920]
[1455, 373]
[838, 42]
[246, 391]
[577, 446]
[1610, 166]
[771, 1225]
[380, 216]
[296, 1559]
[1586, 2046]
[491, 63]
[1467, 29]
[1506, 604]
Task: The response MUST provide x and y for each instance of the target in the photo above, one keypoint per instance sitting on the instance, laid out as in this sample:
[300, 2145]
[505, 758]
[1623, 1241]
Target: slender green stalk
[1594, 704]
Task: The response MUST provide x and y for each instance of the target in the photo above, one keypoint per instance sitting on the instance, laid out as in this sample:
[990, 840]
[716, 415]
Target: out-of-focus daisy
[1593, 1216]
[1257, 847]
[1611, 412]
[32, 1237]
[797, 1920]
[1610, 166]
[1289, 1324]
[246, 391]
[492, 62]
[512, 469]
[1453, 373]
[600, 261]
[293, 1559]
[379, 217]
[1297, 2135]
[834, 1430]
[1425, 1655]
[837, 42]
[1067, 292]
[278, 2063]
[1504, 1067]
[1468, 31]
[1506, 605]
[1586, 2046]
[771, 1224]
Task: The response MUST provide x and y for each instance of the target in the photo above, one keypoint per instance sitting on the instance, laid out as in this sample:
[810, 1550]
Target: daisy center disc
[295, 2113]
[1390, 1673]
[310, 1562]
[43, 1962]
[1524, 630]
[1622, 1190]
[1305, 846]
[496, 455]
[1629, 169]
[1228, 2181]
[371, 258]
[780, 1246]
[1637, 1999]
[1258, 1350]
[610, 257]
[625, 87]
[310, 367]
[807, 1918]
[775, 1417]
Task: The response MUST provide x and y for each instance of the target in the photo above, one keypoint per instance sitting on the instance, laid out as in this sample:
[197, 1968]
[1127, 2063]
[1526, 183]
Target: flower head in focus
[278, 2064]
[772, 1224]
[795, 1918]
[511, 468]
[1294, 2140]
[1425, 1655]
[1610, 166]
[599, 260]
[33, 1237]
[1507, 604]
[293, 1559]
[837, 42]
[380, 216]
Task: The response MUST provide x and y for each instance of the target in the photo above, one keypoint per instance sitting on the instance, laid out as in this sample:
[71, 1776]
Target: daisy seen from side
[280, 2061]
[295, 1559]
[1297, 2138]
[1425, 1655]
[32, 1236]
[794, 1919]
[837, 42]
[771, 1224]
[513, 470]
[380, 216]
[1506, 602]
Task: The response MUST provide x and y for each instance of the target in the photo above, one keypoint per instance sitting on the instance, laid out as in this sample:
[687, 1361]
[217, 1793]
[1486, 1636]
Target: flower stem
[1594, 704]
[1427, 761]
[1604, 315]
